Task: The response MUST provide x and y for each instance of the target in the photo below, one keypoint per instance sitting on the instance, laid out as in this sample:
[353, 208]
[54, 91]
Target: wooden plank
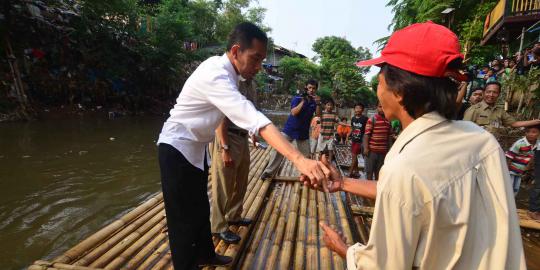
[526, 222]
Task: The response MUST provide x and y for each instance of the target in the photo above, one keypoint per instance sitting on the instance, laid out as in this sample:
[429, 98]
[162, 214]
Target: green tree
[337, 60]
[296, 71]
[466, 21]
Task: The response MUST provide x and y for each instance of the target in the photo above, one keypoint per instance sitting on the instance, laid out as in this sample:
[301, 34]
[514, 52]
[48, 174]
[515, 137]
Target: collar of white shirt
[230, 68]
[417, 127]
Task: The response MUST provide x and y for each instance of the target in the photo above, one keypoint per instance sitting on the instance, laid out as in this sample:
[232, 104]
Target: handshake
[332, 182]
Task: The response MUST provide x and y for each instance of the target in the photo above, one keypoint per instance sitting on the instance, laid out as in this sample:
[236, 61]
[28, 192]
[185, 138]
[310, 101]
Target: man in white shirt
[208, 95]
[443, 200]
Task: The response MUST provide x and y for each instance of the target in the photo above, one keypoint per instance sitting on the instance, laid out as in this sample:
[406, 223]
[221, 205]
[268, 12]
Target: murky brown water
[62, 180]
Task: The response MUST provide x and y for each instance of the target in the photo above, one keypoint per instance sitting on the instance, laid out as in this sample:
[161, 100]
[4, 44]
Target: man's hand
[366, 152]
[317, 99]
[254, 140]
[227, 159]
[335, 180]
[313, 171]
[334, 240]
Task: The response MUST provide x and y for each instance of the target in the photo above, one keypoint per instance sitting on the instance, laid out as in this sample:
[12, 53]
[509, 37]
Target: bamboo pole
[83, 247]
[333, 222]
[128, 240]
[154, 256]
[258, 184]
[280, 231]
[163, 262]
[290, 230]
[261, 225]
[45, 265]
[325, 254]
[271, 227]
[362, 210]
[526, 222]
[128, 253]
[286, 178]
[343, 219]
[102, 248]
[234, 249]
[146, 250]
[361, 229]
[312, 255]
[301, 235]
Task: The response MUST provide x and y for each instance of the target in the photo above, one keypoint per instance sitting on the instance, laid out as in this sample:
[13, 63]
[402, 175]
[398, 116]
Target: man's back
[444, 201]
[379, 130]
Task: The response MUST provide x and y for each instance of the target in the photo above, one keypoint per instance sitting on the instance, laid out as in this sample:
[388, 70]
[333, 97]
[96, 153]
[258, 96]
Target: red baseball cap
[421, 48]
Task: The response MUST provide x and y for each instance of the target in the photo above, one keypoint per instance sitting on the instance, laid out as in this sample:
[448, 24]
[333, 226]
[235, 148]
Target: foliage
[325, 92]
[296, 71]
[365, 95]
[466, 21]
[139, 45]
[337, 60]
[374, 83]
[524, 84]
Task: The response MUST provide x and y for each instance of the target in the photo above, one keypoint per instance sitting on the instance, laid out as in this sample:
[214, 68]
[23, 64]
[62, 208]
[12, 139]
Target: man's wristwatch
[225, 147]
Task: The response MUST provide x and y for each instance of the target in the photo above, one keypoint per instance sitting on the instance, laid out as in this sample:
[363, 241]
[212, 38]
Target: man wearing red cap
[443, 199]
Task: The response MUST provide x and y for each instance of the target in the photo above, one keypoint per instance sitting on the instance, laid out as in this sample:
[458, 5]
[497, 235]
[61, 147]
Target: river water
[62, 180]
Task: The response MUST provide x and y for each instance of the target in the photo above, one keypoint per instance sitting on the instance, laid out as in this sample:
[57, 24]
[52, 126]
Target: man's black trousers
[187, 208]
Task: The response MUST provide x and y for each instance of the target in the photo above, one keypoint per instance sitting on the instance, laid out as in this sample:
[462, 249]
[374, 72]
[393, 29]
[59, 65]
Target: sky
[296, 24]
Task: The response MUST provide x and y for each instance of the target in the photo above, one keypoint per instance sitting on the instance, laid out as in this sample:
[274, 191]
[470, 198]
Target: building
[509, 19]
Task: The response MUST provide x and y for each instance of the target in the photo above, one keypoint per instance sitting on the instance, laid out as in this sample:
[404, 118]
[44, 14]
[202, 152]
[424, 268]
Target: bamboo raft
[285, 234]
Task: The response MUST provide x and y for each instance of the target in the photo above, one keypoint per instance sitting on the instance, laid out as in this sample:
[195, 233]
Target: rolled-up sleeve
[507, 119]
[224, 94]
[394, 231]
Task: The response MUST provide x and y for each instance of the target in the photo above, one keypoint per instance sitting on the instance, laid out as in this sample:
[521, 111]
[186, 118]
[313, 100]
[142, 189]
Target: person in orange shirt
[315, 131]
[343, 131]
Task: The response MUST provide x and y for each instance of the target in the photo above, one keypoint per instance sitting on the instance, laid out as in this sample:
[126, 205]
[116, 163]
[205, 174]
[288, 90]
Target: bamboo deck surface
[285, 233]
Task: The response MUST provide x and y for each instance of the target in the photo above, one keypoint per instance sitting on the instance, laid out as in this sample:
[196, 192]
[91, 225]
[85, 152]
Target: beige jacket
[444, 201]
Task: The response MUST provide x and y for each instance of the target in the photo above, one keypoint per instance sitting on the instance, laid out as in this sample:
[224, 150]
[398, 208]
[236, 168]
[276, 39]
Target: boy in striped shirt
[377, 141]
[520, 155]
[329, 121]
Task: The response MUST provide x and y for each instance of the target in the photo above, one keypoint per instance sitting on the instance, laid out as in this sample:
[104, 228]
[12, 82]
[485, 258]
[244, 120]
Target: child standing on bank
[314, 135]
[329, 121]
[343, 131]
[520, 154]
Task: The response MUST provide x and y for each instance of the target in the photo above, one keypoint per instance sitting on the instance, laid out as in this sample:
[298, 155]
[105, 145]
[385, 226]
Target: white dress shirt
[444, 201]
[209, 94]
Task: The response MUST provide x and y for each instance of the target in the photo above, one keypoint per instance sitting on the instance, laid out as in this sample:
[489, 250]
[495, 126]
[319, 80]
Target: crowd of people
[443, 195]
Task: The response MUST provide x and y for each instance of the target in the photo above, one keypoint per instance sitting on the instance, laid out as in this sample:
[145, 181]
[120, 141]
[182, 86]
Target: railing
[510, 8]
[495, 15]
[519, 6]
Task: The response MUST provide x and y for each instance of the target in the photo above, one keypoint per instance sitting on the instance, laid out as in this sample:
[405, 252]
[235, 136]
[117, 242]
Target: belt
[238, 132]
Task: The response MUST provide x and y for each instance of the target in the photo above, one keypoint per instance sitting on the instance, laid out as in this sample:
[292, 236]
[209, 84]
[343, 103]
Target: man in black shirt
[358, 128]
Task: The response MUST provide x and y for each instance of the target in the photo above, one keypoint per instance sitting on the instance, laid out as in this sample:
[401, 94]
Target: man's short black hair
[360, 104]
[493, 83]
[313, 82]
[478, 88]
[422, 94]
[328, 100]
[535, 126]
[244, 33]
